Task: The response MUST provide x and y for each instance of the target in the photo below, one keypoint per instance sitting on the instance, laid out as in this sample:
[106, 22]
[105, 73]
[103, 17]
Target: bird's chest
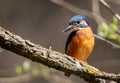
[80, 42]
[83, 41]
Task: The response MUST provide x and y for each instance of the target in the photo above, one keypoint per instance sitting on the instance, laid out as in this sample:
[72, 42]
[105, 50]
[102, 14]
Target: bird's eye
[77, 22]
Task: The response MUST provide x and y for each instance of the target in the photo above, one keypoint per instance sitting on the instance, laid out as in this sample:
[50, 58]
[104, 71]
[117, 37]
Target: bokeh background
[42, 22]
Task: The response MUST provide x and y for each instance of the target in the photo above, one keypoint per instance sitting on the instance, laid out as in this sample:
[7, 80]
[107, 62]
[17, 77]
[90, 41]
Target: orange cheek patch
[83, 22]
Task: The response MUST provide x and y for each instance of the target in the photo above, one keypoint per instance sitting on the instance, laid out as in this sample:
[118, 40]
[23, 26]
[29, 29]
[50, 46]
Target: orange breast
[81, 44]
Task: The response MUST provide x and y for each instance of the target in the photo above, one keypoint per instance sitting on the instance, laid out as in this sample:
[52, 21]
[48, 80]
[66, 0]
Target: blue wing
[72, 34]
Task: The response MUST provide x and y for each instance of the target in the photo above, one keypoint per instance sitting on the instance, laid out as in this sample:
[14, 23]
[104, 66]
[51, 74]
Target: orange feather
[81, 44]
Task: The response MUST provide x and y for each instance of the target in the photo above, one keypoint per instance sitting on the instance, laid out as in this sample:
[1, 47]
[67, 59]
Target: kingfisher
[80, 42]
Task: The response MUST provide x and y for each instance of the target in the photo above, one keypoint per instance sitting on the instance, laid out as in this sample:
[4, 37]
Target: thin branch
[110, 9]
[107, 41]
[72, 8]
[77, 10]
[51, 58]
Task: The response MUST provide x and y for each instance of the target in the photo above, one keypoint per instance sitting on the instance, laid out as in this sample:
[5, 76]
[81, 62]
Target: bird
[80, 42]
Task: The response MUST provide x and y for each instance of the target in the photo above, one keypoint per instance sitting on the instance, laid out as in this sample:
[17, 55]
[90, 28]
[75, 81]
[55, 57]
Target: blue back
[72, 34]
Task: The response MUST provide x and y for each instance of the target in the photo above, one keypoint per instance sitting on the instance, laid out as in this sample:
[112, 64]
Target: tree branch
[51, 58]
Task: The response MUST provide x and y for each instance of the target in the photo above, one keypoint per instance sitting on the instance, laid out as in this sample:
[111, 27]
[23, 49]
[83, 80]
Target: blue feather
[72, 34]
[78, 18]
[82, 25]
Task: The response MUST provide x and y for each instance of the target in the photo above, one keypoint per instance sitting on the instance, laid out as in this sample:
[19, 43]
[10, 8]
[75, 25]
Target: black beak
[68, 28]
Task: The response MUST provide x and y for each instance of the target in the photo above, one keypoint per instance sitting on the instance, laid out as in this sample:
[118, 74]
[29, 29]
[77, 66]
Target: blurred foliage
[42, 70]
[36, 70]
[24, 68]
[110, 31]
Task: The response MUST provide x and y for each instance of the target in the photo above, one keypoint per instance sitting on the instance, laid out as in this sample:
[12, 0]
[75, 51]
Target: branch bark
[59, 61]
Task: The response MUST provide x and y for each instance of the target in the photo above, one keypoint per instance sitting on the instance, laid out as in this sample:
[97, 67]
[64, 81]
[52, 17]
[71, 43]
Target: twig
[51, 58]
[72, 8]
[112, 11]
[107, 41]
[109, 8]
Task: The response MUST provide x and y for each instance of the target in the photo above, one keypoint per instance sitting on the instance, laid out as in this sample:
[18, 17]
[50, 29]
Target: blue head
[77, 21]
